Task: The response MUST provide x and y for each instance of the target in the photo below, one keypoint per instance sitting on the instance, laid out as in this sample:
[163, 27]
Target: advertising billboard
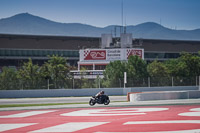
[94, 54]
[109, 54]
[138, 52]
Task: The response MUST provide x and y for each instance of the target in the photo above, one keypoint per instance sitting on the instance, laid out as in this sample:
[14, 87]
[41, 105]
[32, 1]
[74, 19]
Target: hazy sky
[182, 14]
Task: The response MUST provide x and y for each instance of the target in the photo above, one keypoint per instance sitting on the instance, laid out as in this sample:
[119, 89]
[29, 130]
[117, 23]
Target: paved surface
[54, 100]
[140, 119]
[171, 116]
[113, 103]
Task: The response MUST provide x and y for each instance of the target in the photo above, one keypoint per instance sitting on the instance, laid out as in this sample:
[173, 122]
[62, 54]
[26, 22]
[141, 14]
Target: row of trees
[55, 73]
[187, 66]
[30, 76]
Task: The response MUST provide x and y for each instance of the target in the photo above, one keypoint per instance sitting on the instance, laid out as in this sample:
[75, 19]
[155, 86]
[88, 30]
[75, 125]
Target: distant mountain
[33, 25]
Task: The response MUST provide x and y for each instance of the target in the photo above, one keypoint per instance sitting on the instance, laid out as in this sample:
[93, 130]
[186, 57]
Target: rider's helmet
[102, 92]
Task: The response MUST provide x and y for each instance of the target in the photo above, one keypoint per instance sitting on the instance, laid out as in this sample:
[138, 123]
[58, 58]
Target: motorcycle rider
[99, 94]
[99, 98]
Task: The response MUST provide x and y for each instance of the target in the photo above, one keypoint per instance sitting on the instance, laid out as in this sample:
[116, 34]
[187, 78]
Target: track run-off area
[130, 119]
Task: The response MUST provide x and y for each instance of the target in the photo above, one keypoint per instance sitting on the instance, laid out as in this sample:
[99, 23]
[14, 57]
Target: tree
[192, 63]
[136, 71]
[84, 82]
[137, 67]
[29, 74]
[157, 69]
[176, 68]
[59, 71]
[45, 75]
[113, 74]
[184, 69]
[187, 65]
[8, 79]
[159, 74]
[45, 71]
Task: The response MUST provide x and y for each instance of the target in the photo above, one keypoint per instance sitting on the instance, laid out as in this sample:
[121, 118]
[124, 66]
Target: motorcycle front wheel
[91, 102]
[107, 102]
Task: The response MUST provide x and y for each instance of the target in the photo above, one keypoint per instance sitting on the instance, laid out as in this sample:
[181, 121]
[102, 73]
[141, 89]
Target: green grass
[30, 105]
[47, 104]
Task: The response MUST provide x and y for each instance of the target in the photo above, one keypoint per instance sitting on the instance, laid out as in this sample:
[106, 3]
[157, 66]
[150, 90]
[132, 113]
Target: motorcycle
[104, 99]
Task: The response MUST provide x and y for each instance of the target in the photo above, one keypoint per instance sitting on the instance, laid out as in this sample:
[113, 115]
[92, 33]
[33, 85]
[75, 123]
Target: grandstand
[15, 49]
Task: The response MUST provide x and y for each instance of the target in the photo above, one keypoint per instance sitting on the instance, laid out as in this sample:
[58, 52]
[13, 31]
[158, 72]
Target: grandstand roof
[8, 41]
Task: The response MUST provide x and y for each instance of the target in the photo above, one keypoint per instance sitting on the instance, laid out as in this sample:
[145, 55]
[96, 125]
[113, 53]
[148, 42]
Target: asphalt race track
[7, 101]
[105, 119]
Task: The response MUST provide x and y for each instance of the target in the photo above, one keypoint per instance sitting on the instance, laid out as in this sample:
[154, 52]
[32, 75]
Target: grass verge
[47, 104]
[29, 105]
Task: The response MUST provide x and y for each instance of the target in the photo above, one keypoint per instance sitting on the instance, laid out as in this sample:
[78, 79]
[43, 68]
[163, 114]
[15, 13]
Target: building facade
[15, 49]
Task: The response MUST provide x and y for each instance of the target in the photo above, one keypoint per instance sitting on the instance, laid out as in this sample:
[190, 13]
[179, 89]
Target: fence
[158, 82]
[99, 83]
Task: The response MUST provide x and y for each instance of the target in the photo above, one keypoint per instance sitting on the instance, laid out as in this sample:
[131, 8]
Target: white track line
[5, 127]
[163, 122]
[69, 127]
[26, 114]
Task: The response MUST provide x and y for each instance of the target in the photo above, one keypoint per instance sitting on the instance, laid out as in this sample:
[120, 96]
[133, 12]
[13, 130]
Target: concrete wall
[56, 93]
[164, 95]
[85, 92]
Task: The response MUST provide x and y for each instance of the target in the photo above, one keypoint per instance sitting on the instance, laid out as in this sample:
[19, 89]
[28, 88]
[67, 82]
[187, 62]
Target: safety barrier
[164, 95]
[86, 92]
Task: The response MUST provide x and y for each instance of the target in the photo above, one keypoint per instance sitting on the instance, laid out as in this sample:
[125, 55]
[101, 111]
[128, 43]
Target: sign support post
[125, 79]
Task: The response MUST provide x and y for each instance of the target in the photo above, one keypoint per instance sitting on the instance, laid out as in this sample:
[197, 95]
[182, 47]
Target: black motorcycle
[104, 99]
